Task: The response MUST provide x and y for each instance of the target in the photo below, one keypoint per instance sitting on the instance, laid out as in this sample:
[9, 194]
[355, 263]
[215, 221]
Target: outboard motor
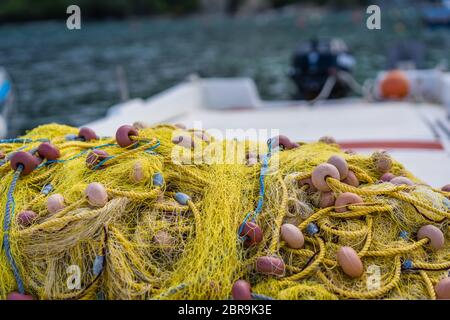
[314, 62]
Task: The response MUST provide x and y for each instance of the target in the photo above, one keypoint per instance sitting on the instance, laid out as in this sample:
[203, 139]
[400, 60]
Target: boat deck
[418, 135]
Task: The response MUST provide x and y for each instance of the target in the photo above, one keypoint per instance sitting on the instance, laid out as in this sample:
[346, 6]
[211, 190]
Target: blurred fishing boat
[6, 99]
[437, 15]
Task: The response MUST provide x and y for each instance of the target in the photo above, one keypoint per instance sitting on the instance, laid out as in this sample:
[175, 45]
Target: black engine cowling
[315, 61]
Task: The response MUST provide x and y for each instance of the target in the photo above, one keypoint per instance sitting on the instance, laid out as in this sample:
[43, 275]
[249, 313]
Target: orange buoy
[394, 85]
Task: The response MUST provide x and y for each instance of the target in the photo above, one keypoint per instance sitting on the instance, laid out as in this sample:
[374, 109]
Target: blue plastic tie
[112, 157]
[100, 296]
[404, 234]
[153, 147]
[262, 189]
[98, 265]
[48, 162]
[312, 228]
[71, 137]
[47, 189]
[98, 165]
[262, 175]
[182, 198]
[158, 179]
[446, 203]
[257, 296]
[17, 140]
[407, 264]
[241, 227]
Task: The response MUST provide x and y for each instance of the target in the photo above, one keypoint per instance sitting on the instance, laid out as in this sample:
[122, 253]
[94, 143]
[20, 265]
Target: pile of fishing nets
[146, 215]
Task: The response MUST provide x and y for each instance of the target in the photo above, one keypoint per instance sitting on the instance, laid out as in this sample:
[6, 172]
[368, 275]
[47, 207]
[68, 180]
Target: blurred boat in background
[6, 99]
[437, 15]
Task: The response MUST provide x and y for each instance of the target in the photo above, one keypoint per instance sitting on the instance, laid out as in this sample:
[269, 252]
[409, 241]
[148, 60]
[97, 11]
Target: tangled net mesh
[144, 244]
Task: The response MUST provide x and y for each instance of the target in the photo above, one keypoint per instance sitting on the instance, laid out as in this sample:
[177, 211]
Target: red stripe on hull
[427, 145]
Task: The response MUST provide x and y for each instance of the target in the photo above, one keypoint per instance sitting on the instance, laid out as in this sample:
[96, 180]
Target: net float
[340, 164]
[442, 289]
[284, 142]
[95, 157]
[48, 151]
[383, 161]
[137, 172]
[252, 233]
[26, 159]
[87, 134]
[328, 140]
[351, 179]
[182, 198]
[292, 236]
[327, 199]
[345, 199]
[307, 182]
[158, 180]
[434, 234]
[446, 188]
[270, 265]
[349, 261]
[384, 164]
[139, 125]
[19, 296]
[241, 290]
[26, 218]
[96, 194]
[184, 141]
[55, 203]
[398, 181]
[124, 134]
[312, 228]
[386, 177]
[395, 85]
[321, 173]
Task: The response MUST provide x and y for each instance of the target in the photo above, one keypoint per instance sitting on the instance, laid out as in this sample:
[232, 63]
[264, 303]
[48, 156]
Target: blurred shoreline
[24, 11]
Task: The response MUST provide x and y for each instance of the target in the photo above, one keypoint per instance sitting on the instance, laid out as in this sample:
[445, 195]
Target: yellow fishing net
[144, 244]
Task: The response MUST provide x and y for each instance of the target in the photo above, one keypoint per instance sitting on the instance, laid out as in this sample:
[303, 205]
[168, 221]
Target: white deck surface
[345, 123]
[348, 121]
